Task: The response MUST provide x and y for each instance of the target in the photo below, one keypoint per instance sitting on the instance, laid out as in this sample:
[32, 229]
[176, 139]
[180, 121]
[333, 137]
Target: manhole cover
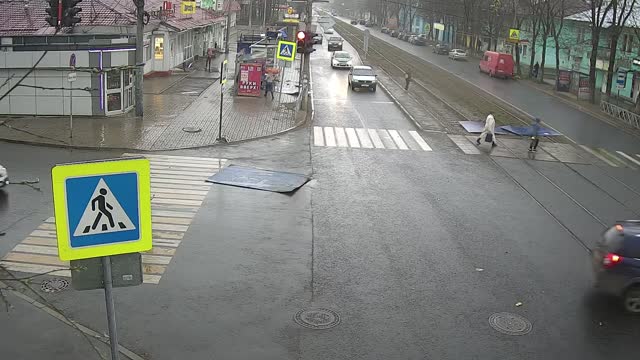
[510, 324]
[318, 319]
[191, 129]
[54, 285]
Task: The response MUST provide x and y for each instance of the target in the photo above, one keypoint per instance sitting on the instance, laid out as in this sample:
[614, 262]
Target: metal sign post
[223, 80]
[103, 208]
[71, 77]
[286, 53]
[284, 68]
[367, 33]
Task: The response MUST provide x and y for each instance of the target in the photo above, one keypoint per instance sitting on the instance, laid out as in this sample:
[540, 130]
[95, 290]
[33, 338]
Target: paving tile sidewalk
[170, 106]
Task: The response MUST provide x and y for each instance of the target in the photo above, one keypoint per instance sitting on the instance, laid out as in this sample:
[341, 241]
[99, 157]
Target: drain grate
[54, 285]
[510, 324]
[317, 319]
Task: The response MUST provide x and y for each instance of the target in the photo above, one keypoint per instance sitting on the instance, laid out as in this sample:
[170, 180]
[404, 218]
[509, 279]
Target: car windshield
[342, 55]
[363, 72]
[335, 38]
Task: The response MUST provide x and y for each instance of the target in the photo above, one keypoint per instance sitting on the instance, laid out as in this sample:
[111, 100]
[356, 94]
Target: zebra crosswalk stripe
[420, 141]
[341, 137]
[353, 138]
[594, 153]
[329, 136]
[375, 138]
[364, 138]
[629, 157]
[398, 140]
[318, 137]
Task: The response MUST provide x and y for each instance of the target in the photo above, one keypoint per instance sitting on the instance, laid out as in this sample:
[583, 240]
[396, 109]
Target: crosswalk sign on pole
[286, 50]
[514, 35]
[102, 208]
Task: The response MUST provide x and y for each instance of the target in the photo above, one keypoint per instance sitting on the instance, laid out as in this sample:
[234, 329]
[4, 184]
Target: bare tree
[557, 11]
[620, 12]
[598, 11]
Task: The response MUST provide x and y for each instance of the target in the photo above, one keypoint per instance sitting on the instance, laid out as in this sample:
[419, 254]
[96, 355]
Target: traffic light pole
[139, 57]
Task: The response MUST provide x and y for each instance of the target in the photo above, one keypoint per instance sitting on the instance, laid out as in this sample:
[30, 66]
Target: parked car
[420, 40]
[384, 30]
[341, 60]
[497, 64]
[367, 23]
[411, 39]
[441, 49]
[363, 77]
[329, 31]
[394, 33]
[317, 39]
[362, 21]
[335, 43]
[401, 35]
[4, 177]
[616, 263]
[458, 54]
[407, 36]
[354, 22]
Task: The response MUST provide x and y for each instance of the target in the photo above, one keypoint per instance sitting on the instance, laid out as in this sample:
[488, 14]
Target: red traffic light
[301, 35]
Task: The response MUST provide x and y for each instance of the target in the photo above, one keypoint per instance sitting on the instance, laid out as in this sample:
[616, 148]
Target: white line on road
[330, 137]
[384, 134]
[364, 138]
[398, 140]
[587, 149]
[341, 137]
[376, 139]
[318, 138]
[353, 138]
[423, 144]
[629, 157]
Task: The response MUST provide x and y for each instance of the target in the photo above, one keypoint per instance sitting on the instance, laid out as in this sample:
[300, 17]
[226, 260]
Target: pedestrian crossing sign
[286, 50]
[102, 207]
[514, 35]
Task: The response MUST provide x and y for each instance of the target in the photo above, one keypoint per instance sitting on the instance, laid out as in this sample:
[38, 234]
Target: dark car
[394, 33]
[420, 40]
[616, 263]
[441, 49]
[362, 21]
[334, 43]
[317, 39]
[407, 36]
[354, 22]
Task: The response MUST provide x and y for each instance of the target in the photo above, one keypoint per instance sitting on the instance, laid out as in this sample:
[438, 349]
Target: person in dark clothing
[536, 68]
[407, 79]
[535, 132]
[268, 85]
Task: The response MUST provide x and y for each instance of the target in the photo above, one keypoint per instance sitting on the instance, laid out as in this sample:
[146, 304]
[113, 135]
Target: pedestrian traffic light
[69, 12]
[55, 11]
[301, 44]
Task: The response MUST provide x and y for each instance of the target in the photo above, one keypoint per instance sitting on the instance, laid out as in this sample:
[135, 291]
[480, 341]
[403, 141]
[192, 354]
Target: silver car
[456, 54]
[4, 177]
[341, 59]
[363, 77]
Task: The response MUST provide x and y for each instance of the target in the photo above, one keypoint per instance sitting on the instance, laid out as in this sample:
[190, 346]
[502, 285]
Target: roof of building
[585, 16]
[28, 17]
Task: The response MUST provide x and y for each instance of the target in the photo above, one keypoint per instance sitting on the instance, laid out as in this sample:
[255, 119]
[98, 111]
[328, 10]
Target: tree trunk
[518, 70]
[612, 61]
[556, 39]
[595, 37]
[544, 56]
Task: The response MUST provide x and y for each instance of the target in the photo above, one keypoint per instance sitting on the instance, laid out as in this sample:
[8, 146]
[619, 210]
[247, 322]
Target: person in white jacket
[489, 128]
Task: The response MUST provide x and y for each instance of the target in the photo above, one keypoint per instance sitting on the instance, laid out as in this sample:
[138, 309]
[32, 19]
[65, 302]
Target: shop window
[113, 79]
[159, 48]
[627, 42]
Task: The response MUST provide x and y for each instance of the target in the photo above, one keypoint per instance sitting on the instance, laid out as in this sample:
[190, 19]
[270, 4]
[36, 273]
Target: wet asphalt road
[390, 239]
[577, 125]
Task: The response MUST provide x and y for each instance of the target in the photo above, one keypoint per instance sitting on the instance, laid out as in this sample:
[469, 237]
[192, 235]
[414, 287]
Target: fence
[623, 114]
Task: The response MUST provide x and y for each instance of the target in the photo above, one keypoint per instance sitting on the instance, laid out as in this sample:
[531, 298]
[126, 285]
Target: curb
[82, 147]
[601, 117]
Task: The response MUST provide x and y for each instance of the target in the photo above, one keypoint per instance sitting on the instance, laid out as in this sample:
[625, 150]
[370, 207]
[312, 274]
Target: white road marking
[318, 138]
[386, 138]
[364, 138]
[329, 135]
[464, 144]
[629, 157]
[423, 144]
[615, 158]
[376, 139]
[353, 138]
[341, 137]
[398, 140]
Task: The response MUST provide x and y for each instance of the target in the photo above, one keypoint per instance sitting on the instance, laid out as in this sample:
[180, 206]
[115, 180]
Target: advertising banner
[564, 80]
[250, 79]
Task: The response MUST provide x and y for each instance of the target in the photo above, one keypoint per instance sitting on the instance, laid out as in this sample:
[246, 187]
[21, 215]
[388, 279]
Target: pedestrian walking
[407, 80]
[268, 86]
[210, 53]
[489, 132]
[536, 68]
[535, 132]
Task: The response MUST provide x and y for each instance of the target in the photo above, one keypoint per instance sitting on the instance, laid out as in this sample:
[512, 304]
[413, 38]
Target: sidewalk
[185, 100]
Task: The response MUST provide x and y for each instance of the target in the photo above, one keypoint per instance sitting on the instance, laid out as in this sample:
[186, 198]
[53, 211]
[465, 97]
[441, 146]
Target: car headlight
[350, 63]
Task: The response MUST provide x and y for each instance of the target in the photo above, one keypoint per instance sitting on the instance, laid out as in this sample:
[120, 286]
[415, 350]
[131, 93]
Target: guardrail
[623, 114]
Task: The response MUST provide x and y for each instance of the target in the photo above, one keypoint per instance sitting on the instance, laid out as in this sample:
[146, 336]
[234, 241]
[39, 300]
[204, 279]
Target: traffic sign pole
[111, 311]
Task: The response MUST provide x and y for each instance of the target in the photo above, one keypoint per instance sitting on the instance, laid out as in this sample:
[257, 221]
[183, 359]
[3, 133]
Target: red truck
[497, 64]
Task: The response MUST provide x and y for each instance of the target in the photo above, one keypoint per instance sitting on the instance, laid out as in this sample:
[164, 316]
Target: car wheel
[632, 300]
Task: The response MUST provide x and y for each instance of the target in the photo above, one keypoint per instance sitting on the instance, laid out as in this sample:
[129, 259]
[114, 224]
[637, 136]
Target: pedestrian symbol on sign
[286, 51]
[103, 214]
[514, 35]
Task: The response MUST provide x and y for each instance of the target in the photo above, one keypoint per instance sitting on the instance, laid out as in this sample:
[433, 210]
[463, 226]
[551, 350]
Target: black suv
[616, 263]
[441, 49]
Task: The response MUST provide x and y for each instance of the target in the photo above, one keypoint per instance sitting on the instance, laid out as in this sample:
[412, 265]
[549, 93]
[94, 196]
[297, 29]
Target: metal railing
[623, 114]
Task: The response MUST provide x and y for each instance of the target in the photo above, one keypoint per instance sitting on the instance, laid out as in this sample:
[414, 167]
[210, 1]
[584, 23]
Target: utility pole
[264, 16]
[226, 42]
[139, 56]
[250, 12]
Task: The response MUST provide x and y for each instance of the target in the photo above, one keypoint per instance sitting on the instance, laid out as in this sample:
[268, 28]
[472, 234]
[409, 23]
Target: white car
[329, 31]
[363, 77]
[456, 54]
[4, 177]
[341, 59]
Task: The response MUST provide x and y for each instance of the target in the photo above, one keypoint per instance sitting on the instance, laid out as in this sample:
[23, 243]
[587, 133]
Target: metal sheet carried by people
[102, 207]
[286, 50]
